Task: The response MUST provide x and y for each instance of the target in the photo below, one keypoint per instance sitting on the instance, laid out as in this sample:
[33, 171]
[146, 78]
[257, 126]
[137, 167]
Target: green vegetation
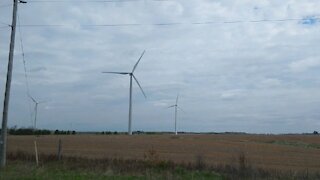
[297, 144]
[21, 165]
[57, 170]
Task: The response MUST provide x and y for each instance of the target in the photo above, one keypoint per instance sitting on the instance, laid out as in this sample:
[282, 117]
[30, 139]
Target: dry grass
[281, 152]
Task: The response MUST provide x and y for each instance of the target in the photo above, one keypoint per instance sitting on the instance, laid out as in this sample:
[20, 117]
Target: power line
[24, 66]
[5, 23]
[92, 1]
[174, 23]
[43, 25]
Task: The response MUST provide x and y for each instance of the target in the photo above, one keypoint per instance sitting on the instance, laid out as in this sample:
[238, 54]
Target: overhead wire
[91, 1]
[5, 23]
[24, 66]
[173, 23]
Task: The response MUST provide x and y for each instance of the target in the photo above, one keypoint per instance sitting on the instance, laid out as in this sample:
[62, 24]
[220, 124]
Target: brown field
[282, 152]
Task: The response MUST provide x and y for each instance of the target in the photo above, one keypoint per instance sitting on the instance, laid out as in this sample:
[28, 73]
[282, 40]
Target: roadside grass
[22, 166]
[22, 170]
[52, 171]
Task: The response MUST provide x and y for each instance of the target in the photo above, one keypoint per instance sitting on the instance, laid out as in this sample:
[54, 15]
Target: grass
[21, 170]
[21, 166]
[297, 144]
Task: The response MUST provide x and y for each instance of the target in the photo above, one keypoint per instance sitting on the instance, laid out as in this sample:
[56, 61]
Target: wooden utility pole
[3, 140]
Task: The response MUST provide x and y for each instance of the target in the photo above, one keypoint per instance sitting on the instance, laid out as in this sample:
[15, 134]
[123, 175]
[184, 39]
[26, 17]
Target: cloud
[37, 69]
[270, 82]
[232, 94]
[305, 64]
[310, 20]
[256, 77]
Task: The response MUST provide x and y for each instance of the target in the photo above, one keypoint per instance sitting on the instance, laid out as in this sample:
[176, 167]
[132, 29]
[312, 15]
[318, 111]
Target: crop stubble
[285, 152]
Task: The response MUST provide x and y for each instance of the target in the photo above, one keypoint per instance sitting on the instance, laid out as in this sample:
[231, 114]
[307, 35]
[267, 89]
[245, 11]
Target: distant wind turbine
[130, 92]
[175, 114]
[35, 110]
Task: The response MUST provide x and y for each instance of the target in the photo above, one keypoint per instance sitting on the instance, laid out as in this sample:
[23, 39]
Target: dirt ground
[286, 152]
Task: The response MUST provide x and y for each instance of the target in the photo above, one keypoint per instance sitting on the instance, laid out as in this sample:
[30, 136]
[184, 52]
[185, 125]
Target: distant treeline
[31, 131]
[64, 132]
[109, 132]
[28, 131]
[134, 132]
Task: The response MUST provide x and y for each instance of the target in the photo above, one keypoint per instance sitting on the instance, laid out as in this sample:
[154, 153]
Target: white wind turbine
[36, 110]
[130, 92]
[175, 114]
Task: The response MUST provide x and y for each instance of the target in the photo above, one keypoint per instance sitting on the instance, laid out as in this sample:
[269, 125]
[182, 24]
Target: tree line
[31, 131]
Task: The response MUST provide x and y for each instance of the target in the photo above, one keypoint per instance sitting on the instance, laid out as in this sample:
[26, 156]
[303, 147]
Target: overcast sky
[257, 77]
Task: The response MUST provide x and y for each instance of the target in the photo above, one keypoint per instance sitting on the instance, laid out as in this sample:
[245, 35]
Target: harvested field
[282, 152]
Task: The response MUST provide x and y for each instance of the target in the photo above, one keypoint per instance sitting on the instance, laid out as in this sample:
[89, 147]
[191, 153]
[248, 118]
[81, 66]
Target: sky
[231, 72]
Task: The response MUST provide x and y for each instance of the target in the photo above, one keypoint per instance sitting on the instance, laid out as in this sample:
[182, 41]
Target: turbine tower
[35, 111]
[175, 114]
[130, 91]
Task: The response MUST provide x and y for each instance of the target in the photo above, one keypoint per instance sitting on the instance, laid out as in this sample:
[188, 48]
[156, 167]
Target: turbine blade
[32, 98]
[139, 86]
[42, 102]
[122, 73]
[181, 109]
[177, 99]
[135, 66]
[171, 106]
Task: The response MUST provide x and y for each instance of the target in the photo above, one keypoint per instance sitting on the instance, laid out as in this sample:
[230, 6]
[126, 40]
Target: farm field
[281, 152]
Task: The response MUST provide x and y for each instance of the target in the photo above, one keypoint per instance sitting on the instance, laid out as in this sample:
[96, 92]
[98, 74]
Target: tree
[56, 131]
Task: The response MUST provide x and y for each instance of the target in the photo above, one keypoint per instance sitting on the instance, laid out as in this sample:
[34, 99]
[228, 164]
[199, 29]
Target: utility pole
[3, 140]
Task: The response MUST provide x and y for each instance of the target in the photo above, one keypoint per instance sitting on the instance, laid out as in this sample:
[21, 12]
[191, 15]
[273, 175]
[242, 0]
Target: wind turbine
[175, 114]
[35, 110]
[130, 92]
